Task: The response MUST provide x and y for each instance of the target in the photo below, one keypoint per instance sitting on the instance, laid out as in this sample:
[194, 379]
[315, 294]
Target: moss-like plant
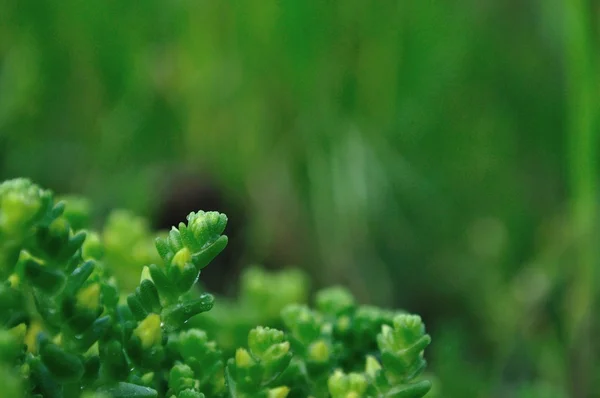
[69, 331]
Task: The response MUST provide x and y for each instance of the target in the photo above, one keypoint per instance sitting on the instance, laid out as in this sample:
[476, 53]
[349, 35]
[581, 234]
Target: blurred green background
[435, 156]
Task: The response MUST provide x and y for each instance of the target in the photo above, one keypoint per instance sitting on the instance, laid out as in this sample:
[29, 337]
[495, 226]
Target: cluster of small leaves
[254, 371]
[198, 367]
[62, 307]
[343, 350]
[67, 331]
[262, 297]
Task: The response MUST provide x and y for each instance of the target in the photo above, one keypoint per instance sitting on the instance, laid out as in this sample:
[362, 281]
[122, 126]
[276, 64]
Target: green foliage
[68, 331]
[327, 344]
[449, 144]
[252, 371]
[262, 297]
[128, 246]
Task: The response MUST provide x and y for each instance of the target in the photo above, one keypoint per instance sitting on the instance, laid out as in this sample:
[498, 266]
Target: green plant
[68, 330]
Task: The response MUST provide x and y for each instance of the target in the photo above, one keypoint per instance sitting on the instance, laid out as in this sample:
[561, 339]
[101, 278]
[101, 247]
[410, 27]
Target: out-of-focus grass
[438, 156]
[583, 129]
